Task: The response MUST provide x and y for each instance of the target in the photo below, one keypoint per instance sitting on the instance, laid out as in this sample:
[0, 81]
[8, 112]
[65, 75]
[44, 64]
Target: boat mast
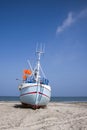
[39, 52]
[38, 64]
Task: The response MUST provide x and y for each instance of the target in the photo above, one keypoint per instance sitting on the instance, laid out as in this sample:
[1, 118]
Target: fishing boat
[35, 90]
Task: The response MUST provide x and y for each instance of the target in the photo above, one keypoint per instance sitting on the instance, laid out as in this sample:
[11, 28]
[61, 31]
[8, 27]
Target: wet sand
[56, 116]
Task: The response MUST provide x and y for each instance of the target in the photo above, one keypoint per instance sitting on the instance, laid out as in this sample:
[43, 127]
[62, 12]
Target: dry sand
[56, 116]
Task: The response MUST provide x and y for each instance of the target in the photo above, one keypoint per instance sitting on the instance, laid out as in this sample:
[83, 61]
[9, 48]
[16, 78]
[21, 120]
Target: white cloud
[70, 20]
[67, 22]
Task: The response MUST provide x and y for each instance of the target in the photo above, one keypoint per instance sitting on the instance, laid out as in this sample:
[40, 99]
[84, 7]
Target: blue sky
[61, 26]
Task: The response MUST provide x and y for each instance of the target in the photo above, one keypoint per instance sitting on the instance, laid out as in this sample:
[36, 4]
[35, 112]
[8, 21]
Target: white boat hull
[35, 95]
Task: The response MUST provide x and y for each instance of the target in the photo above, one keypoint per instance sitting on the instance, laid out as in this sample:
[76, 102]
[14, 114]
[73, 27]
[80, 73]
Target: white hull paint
[35, 95]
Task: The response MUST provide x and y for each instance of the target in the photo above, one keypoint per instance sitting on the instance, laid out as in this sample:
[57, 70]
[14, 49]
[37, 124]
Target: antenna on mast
[39, 48]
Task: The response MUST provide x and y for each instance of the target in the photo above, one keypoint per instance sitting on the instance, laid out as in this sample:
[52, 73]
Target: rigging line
[30, 67]
[42, 72]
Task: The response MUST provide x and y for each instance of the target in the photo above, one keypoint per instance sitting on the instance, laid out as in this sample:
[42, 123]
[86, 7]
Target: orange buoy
[24, 77]
[27, 72]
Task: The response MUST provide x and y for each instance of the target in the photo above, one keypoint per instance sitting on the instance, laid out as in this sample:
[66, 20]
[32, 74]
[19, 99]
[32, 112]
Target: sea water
[69, 99]
[9, 98]
[53, 99]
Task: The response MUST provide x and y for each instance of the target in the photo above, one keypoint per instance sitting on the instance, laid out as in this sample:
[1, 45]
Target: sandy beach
[56, 116]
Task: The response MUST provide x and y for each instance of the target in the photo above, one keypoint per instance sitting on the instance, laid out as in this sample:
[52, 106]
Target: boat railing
[42, 81]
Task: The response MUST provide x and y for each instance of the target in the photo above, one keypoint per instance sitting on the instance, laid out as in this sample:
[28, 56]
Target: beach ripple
[56, 116]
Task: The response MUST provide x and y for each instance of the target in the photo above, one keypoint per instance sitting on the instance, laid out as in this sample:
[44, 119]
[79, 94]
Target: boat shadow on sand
[25, 106]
